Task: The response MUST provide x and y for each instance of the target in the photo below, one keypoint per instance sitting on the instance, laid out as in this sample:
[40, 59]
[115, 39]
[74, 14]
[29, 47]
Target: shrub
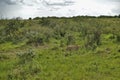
[45, 22]
[93, 40]
[118, 37]
[12, 30]
[34, 38]
[97, 35]
[26, 57]
[3, 57]
[70, 39]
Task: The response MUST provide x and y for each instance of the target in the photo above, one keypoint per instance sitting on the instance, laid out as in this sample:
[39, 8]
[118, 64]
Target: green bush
[118, 38]
[26, 57]
[70, 40]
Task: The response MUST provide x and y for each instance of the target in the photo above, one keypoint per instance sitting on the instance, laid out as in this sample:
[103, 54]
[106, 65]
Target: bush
[118, 38]
[3, 57]
[11, 30]
[34, 38]
[93, 40]
[45, 22]
[26, 57]
[70, 40]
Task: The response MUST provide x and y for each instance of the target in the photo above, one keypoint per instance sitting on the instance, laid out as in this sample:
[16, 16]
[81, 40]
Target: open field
[77, 48]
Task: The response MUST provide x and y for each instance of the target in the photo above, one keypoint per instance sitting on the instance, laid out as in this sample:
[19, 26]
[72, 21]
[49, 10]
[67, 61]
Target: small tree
[30, 18]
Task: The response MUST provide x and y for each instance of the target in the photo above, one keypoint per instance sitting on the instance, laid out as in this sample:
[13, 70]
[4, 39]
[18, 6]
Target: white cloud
[33, 8]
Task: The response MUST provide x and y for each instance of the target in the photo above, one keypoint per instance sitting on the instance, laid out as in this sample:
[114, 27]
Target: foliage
[76, 48]
[26, 56]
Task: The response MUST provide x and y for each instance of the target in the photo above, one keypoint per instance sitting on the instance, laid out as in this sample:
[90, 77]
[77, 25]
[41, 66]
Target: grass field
[60, 49]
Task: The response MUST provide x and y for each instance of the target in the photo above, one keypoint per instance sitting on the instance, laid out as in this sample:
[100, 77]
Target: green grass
[9, 46]
[52, 65]
[46, 56]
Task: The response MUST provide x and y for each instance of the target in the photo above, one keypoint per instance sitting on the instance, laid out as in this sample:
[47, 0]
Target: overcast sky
[33, 8]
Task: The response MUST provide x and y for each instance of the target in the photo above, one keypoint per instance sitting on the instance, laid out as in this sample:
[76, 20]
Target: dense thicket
[87, 32]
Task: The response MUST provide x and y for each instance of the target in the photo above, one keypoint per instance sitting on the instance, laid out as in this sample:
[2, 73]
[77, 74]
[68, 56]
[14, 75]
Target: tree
[36, 18]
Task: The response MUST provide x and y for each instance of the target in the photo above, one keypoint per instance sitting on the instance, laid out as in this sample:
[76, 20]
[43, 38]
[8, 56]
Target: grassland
[78, 48]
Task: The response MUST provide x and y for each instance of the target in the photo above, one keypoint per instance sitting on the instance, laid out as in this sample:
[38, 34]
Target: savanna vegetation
[76, 48]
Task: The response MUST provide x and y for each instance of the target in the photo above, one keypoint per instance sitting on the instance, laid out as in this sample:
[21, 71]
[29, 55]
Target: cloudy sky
[33, 8]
